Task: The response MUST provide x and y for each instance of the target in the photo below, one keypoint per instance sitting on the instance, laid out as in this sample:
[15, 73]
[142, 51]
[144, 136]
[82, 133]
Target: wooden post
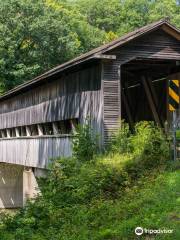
[155, 99]
[55, 128]
[8, 133]
[40, 130]
[151, 101]
[153, 92]
[28, 131]
[17, 132]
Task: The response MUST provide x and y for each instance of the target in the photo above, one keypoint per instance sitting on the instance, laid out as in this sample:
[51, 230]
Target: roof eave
[166, 26]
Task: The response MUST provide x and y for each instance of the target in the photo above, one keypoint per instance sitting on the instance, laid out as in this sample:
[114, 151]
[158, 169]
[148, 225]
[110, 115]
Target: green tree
[37, 35]
[165, 8]
[103, 14]
[121, 16]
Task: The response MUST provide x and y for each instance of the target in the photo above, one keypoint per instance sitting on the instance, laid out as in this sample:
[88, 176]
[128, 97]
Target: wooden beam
[55, 128]
[128, 60]
[151, 101]
[40, 130]
[171, 31]
[17, 132]
[8, 133]
[153, 92]
[28, 131]
[155, 98]
[103, 56]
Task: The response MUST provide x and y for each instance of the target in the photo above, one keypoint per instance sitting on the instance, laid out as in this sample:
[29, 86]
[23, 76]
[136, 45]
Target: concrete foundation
[30, 185]
[17, 184]
[11, 186]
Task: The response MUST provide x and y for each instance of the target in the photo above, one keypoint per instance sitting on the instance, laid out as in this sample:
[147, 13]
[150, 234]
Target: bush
[147, 141]
[145, 148]
[79, 191]
[149, 145]
[76, 180]
[85, 143]
[120, 140]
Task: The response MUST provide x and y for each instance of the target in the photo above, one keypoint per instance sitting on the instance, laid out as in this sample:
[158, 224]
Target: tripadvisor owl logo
[139, 231]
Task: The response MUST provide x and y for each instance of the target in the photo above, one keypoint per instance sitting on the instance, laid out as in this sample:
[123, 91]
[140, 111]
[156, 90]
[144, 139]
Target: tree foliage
[121, 16]
[37, 35]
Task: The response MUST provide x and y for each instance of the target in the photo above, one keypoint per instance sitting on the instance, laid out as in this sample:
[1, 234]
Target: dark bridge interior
[144, 84]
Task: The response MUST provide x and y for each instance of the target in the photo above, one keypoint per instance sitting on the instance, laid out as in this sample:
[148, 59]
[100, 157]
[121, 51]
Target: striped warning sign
[174, 98]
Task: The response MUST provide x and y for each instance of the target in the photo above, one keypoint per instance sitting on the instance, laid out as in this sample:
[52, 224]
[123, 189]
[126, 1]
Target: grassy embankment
[105, 196]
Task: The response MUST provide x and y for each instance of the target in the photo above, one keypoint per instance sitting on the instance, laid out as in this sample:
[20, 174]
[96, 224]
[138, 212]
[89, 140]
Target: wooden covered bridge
[125, 79]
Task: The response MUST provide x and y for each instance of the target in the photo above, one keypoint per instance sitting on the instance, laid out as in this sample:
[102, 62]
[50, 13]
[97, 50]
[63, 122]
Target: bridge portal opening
[144, 90]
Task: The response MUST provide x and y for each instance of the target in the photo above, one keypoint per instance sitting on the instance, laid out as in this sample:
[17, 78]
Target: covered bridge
[125, 79]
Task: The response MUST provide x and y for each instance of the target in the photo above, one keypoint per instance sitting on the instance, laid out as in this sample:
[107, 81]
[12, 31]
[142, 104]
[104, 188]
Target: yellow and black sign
[174, 98]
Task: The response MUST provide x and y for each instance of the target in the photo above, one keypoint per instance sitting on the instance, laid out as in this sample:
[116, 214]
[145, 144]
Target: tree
[37, 35]
[165, 8]
[122, 16]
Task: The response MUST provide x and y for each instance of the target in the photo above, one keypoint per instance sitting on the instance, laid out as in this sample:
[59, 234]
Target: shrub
[147, 147]
[147, 140]
[85, 143]
[150, 149]
[120, 140]
[80, 190]
[149, 144]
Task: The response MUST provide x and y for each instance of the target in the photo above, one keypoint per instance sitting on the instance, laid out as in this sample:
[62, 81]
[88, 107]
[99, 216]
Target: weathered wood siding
[34, 152]
[111, 98]
[155, 45]
[76, 95]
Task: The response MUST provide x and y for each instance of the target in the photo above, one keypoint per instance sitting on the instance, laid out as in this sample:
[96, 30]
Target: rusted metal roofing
[93, 54]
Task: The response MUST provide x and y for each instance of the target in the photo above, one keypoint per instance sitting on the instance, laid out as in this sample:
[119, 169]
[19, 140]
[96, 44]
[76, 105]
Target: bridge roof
[93, 54]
